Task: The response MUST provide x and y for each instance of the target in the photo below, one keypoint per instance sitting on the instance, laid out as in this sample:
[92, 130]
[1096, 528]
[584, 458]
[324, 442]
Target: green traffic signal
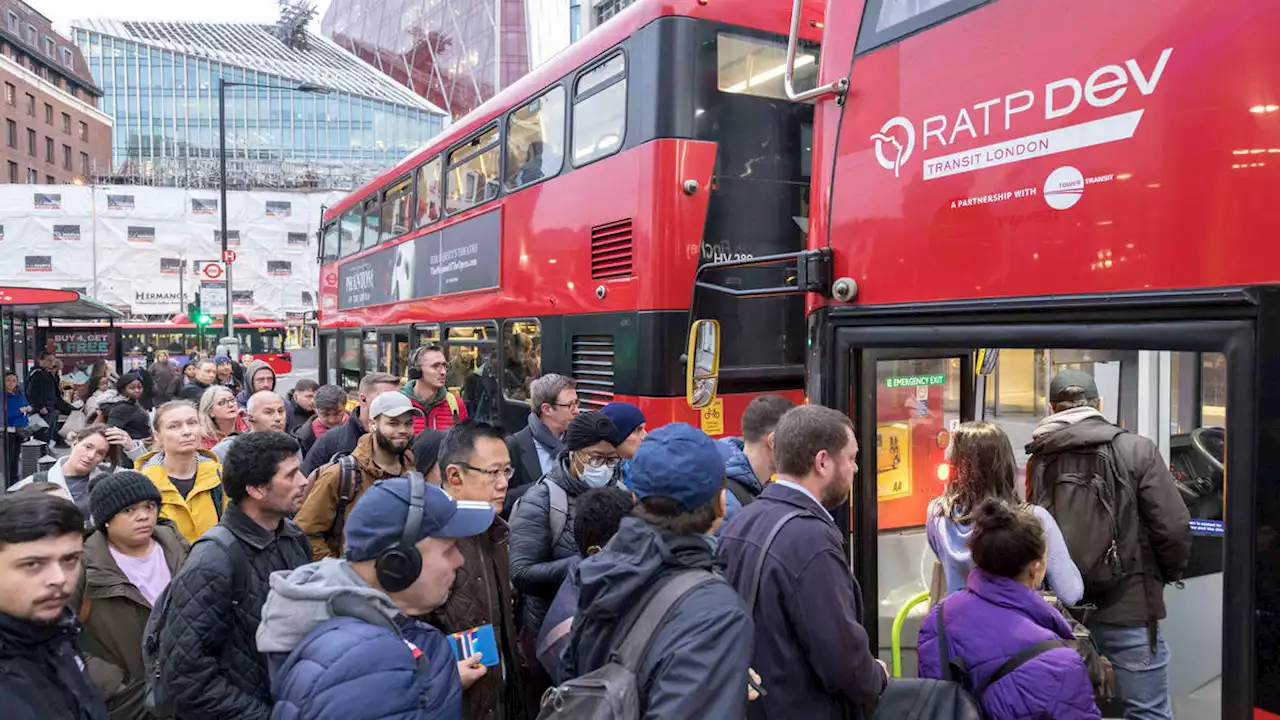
[203, 319]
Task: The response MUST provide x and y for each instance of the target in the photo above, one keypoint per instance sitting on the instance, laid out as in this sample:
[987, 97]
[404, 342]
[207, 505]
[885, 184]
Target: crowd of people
[257, 555]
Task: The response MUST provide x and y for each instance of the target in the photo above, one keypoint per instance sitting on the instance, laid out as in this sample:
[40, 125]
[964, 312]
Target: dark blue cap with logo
[377, 521]
[680, 462]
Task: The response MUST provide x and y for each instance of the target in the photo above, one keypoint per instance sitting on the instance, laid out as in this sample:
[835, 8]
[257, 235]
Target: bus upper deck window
[600, 110]
[755, 66]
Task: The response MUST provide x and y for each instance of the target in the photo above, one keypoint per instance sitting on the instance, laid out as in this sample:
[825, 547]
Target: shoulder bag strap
[753, 583]
[557, 509]
[1018, 661]
[655, 610]
[346, 605]
[347, 479]
[944, 646]
[225, 539]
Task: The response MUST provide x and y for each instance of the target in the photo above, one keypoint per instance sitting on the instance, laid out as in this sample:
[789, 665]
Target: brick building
[53, 131]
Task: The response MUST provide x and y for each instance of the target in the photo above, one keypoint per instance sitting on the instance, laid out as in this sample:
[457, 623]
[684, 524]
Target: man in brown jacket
[382, 453]
[476, 465]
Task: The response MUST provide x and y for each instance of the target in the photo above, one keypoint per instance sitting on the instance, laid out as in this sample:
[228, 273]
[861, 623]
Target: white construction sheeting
[124, 245]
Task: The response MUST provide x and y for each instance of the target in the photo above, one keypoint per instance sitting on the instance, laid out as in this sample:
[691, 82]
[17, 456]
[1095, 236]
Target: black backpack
[929, 699]
[348, 482]
[1096, 508]
[159, 700]
[611, 692]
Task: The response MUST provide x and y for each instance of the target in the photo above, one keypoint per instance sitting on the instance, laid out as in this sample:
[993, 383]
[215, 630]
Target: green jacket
[114, 615]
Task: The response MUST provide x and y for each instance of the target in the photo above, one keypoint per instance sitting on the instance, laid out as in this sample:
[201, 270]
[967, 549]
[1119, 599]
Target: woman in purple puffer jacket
[999, 615]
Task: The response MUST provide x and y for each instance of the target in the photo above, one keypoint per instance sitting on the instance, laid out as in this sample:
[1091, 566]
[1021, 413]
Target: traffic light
[201, 319]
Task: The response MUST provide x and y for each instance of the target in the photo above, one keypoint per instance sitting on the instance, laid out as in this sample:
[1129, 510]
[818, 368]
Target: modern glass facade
[165, 101]
[455, 53]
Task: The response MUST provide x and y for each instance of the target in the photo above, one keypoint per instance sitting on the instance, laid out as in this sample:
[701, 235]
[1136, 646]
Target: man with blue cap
[695, 664]
[340, 635]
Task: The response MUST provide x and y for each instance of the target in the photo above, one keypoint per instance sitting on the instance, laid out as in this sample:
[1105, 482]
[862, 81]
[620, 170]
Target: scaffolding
[242, 173]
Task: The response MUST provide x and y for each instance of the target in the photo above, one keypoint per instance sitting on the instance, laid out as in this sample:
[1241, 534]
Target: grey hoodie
[299, 601]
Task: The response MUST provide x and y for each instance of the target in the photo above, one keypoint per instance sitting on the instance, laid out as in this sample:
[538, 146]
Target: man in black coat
[41, 672]
[206, 374]
[45, 397]
[330, 412]
[554, 399]
[209, 659]
[343, 439]
[811, 648]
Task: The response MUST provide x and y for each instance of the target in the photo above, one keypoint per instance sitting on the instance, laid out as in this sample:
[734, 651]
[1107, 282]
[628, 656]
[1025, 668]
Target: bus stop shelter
[21, 311]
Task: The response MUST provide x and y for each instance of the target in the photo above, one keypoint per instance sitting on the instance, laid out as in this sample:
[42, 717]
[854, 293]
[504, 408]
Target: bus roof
[767, 15]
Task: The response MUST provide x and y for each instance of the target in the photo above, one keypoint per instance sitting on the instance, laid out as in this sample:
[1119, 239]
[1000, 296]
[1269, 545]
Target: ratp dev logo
[899, 133]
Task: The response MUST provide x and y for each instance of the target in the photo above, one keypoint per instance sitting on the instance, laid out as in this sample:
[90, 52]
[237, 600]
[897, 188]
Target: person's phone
[476, 640]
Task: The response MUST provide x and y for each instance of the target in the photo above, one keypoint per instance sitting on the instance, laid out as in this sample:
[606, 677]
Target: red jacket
[440, 416]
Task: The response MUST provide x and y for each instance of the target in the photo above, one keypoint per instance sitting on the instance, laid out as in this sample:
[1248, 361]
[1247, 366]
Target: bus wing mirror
[702, 365]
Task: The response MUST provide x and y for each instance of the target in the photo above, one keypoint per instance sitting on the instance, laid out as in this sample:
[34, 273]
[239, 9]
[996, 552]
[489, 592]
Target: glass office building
[160, 84]
[455, 53]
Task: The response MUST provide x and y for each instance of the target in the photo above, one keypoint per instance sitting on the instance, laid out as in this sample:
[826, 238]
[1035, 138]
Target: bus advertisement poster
[81, 346]
[461, 258]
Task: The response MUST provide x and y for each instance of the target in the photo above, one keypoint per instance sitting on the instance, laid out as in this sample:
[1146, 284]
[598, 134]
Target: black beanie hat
[426, 449]
[114, 493]
[125, 380]
[588, 429]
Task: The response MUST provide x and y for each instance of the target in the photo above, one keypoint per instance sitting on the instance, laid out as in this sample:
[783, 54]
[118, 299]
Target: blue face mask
[597, 476]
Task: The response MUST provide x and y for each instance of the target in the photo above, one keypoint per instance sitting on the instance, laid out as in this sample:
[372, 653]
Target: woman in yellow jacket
[189, 479]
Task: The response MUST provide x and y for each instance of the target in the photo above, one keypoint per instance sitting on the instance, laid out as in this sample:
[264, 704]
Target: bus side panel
[1106, 147]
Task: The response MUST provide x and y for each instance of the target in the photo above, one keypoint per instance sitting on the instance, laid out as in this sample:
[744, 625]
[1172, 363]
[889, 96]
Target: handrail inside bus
[838, 88]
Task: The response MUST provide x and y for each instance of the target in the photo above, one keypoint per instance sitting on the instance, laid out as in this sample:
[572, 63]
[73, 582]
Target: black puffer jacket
[539, 562]
[341, 439]
[129, 416]
[208, 648]
[40, 672]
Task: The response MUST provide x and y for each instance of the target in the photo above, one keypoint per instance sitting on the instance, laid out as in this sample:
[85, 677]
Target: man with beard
[209, 665]
[43, 674]
[809, 638]
[382, 453]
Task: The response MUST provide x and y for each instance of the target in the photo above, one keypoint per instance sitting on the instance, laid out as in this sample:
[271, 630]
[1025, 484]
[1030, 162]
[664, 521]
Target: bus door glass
[393, 352]
[473, 369]
[759, 199]
[329, 358]
[1175, 399]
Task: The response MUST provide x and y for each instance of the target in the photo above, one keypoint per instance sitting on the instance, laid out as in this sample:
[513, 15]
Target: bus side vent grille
[611, 250]
[593, 369]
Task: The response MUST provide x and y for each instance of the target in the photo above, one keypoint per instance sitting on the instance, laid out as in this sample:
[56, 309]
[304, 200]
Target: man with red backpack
[1126, 527]
[440, 408]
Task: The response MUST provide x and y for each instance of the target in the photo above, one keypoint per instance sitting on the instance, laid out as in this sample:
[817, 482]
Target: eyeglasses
[506, 473]
[225, 402]
[145, 507]
[572, 406]
[603, 460]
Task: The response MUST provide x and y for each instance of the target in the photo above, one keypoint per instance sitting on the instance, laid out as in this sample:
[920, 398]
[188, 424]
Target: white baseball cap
[392, 404]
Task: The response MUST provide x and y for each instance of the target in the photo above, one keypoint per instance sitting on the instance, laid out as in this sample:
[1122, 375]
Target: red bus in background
[1003, 189]
[559, 227]
[261, 338]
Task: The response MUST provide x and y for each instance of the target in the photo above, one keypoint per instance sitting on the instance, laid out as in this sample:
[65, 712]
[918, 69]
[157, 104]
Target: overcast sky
[62, 12]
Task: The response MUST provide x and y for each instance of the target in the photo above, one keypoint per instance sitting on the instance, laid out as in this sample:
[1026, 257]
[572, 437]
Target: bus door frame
[393, 334]
[1243, 324]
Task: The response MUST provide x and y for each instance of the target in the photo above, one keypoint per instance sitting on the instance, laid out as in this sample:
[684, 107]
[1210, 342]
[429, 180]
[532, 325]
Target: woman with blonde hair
[982, 469]
[188, 477]
[220, 416]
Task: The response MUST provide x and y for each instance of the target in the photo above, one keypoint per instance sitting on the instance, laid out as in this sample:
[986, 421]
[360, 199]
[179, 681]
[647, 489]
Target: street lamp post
[228, 318]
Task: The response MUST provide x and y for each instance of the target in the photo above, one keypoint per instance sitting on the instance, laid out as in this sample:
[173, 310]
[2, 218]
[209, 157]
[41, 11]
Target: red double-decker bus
[1003, 189]
[558, 227]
